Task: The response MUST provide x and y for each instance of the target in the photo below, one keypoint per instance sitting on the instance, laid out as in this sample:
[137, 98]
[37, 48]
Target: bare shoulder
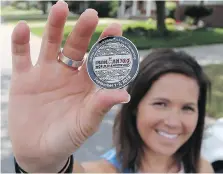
[100, 166]
[205, 166]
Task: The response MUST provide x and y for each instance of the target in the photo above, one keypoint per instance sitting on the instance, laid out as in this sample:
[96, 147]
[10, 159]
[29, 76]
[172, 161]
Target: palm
[53, 106]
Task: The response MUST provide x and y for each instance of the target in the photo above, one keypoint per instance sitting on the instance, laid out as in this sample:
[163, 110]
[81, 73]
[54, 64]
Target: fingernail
[91, 9]
[129, 98]
[22, 21]
[116, 24]
[62, 2]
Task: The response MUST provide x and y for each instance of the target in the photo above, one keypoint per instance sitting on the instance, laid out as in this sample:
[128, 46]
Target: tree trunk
[160, 13]
[28, 5]
[53, 2]
[196, 20]
[44, 7]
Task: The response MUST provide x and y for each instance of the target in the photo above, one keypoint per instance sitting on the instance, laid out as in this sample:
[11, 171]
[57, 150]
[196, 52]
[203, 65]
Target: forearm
[78, 168]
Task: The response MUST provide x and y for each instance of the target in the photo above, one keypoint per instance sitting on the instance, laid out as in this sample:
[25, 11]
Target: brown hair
[127, 141]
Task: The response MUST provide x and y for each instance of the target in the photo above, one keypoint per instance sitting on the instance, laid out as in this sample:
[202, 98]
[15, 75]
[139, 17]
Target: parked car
[212, 147]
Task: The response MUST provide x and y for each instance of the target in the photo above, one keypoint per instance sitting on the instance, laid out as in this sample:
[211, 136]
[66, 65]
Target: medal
[113, 62]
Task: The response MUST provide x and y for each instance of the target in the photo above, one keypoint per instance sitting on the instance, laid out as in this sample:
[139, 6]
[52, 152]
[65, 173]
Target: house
[214, 20]
[127, 9]
[137, 9]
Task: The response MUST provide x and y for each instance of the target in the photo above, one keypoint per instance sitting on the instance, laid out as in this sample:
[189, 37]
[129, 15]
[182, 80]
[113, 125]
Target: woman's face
[168, 114]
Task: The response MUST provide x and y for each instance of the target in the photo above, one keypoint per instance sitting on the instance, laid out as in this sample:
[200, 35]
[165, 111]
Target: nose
[173, 119]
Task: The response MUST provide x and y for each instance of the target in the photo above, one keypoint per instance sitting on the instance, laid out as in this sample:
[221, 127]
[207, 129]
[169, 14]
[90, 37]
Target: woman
[53, 108]
[164, 120]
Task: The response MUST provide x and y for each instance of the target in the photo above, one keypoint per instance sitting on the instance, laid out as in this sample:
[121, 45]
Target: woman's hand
[53, 109]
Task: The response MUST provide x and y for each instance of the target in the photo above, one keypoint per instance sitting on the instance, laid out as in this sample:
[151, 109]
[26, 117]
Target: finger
[20, 48]
[114, 29]
[105, 99]
[53, 33]
[78, 40]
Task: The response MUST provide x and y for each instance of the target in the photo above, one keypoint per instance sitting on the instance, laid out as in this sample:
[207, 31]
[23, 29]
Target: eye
[188, 108]
[160, 104]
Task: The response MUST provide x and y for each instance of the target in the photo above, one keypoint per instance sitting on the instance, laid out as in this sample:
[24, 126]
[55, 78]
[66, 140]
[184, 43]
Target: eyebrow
[167, 100]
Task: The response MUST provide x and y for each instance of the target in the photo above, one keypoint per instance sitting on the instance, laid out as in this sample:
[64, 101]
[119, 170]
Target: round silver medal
[113, 62]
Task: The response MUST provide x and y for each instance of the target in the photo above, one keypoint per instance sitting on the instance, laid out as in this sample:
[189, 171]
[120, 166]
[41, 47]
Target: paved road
[101, 141]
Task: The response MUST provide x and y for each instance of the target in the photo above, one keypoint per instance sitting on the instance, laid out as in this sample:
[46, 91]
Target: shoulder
[107, 164]
[100, 166]
[205, 166]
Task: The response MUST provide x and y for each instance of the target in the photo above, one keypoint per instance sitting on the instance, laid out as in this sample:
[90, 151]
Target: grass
[215, 74]
[178, 39]
[12, 11]
[13, 15]
[32, 18]
[144, 36]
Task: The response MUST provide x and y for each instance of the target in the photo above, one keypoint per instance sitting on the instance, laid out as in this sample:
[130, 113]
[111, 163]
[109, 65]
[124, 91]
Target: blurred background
[193, 26]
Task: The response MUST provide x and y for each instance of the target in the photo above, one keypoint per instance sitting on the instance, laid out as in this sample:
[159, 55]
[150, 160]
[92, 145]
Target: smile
[167, 135]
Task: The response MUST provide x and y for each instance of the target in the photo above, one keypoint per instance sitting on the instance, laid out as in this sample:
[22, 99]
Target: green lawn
[31, 18]
[215, 73]
[144, 36]
[13, 15]
[12, 11]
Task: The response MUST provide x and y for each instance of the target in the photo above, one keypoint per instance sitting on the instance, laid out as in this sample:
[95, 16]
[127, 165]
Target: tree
[198, 12]
[104, 8]
[43, 5]
[161, 15]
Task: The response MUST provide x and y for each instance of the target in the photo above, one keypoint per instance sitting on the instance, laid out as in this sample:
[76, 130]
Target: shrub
[197, 12]
[151, 21]
[171, 8]
[114, 5]
[170, 21]
[105, 8]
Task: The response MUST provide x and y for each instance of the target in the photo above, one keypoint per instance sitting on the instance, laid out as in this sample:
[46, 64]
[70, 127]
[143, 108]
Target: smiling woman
[161, 128]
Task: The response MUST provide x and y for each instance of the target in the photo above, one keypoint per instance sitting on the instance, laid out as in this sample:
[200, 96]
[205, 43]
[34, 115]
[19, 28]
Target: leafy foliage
[197, 12]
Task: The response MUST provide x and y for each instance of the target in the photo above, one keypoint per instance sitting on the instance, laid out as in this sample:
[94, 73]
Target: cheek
[147, 118]
[190, 124]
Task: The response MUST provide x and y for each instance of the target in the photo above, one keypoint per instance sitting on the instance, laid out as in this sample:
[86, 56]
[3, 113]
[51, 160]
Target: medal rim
[132, 77]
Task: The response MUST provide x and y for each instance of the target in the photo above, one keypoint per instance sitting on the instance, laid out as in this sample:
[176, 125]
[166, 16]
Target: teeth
[170, 136]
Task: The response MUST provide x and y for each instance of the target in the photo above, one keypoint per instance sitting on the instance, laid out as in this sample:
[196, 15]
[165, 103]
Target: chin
[162, 145]
[166, 151]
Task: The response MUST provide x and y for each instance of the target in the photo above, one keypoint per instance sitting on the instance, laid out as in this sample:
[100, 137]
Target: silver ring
[70, 62]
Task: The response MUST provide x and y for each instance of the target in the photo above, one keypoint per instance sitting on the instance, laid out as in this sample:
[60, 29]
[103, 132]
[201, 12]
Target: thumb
[105, 99]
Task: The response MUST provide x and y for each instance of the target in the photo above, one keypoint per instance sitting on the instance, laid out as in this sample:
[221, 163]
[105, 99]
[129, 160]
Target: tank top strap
[110, 156]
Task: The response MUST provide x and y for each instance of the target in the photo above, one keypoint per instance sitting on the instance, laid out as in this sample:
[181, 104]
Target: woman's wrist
[66, 166]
